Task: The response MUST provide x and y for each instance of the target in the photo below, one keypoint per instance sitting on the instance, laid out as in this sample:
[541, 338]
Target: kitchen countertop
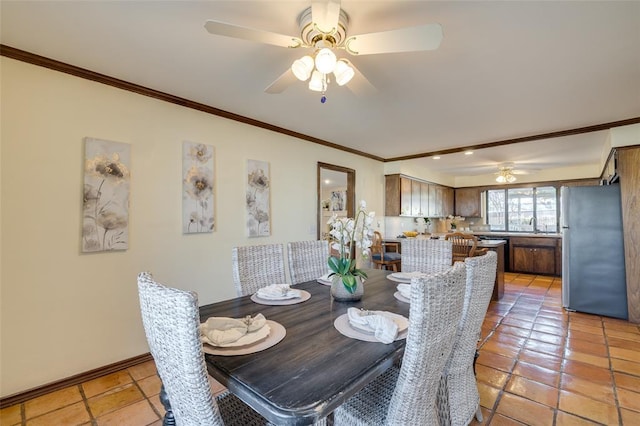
[517, 234]
[481, 243]
[490, 243]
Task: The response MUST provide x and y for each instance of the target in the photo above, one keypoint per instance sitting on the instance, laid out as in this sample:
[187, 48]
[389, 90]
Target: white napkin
[223, 330]
[325, 277]
[384, 329]
[405, 290]
[277, 292]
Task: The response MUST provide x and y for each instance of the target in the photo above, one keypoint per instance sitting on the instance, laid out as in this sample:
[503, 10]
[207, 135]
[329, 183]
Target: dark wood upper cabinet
[405, 196]
[468, 202]
[447, 201]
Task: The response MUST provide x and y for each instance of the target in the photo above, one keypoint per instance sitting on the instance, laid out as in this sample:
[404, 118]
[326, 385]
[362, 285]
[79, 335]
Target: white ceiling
[504, 70]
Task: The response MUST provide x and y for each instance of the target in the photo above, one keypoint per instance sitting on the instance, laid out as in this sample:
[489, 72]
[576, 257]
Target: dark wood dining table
[315, 368]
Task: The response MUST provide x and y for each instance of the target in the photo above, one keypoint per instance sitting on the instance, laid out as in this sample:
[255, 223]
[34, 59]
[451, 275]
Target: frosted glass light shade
[501, 179]
[325, 61]
[302, 68]
[317, 82]
[343, 72]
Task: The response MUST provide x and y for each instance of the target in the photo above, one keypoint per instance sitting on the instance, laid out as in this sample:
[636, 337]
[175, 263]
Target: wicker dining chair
[425, 255]
[458, 397]
[258, 266]
[307, 260]
[463, 245]
[171, 323]
[406, 394]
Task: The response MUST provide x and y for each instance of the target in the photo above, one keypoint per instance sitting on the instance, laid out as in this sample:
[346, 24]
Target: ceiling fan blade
[411, 39]
[325, 15]
[359, 84]
[281, 83]
[244, 33]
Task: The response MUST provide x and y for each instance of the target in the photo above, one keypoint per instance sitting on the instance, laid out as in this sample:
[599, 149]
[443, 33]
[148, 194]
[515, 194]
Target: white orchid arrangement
[344, 233]
[454, 220]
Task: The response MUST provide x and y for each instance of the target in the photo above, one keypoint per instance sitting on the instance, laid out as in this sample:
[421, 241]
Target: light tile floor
[538, 365]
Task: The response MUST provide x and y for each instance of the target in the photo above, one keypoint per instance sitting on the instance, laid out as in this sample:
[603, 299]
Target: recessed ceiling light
[468, 152]
[436, 157]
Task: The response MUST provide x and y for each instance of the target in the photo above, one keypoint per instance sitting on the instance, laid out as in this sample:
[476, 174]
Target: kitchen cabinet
[435, 198]
[425, 199]
[405, 196]
[534, 255]
[419, 198]
[468, 202]
[398, 196]
[447, 201]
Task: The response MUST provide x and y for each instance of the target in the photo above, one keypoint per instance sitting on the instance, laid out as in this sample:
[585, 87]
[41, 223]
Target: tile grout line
[562, 358]
[614, 386]
[610, 372]
[85, 400]
[147, 398]
[510, 373]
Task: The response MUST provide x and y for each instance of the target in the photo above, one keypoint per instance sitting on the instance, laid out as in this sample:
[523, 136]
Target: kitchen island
[494, 245]
[530, 253]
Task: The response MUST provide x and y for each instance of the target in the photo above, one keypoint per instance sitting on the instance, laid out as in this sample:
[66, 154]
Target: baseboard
[21, 397]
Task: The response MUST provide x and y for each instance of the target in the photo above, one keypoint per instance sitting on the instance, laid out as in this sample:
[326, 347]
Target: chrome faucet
[533, 222]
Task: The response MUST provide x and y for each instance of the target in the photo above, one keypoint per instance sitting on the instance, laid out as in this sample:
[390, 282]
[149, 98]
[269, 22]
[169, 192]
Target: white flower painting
[106, 196]
[197, 188]
[258, 187]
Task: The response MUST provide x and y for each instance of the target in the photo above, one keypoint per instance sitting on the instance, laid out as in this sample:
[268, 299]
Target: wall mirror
[336, 195]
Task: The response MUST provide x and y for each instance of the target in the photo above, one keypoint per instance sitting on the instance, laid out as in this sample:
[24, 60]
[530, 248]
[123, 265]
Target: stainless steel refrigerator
[593, 274]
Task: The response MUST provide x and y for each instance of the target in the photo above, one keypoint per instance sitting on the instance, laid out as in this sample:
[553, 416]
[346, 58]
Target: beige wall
[63, 312]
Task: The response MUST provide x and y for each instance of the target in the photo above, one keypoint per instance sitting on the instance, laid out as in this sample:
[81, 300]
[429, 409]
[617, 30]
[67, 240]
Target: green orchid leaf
[334, 264]
[360, 273]
[350, 283]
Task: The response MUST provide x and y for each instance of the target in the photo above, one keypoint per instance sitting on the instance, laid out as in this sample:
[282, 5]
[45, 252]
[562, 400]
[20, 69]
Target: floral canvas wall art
[106, 196]
[258, 187]
[338, 200]
[197, 188]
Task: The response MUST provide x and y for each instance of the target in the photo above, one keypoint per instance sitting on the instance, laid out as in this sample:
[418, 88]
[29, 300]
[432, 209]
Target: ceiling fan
[506, 173]
[324, 28]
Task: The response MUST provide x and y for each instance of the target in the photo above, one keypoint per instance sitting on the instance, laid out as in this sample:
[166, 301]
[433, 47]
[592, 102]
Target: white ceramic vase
[340, 293]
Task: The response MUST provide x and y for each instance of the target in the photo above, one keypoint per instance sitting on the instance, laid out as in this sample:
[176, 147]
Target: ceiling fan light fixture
[317, 82]
[325, 61]
[343, 72]
[302, 68]
[505, 176]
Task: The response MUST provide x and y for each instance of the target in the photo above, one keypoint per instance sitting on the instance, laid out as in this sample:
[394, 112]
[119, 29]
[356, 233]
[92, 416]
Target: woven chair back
[436, 308]
[307, 260]
[171, 323]
[425, 255]
[258, 266]
[458, 397]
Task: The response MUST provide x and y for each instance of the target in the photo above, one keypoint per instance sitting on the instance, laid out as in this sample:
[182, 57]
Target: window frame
[534, 189]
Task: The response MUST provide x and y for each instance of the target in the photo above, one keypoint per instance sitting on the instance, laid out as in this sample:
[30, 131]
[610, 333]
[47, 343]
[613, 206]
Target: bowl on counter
[410, 234]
